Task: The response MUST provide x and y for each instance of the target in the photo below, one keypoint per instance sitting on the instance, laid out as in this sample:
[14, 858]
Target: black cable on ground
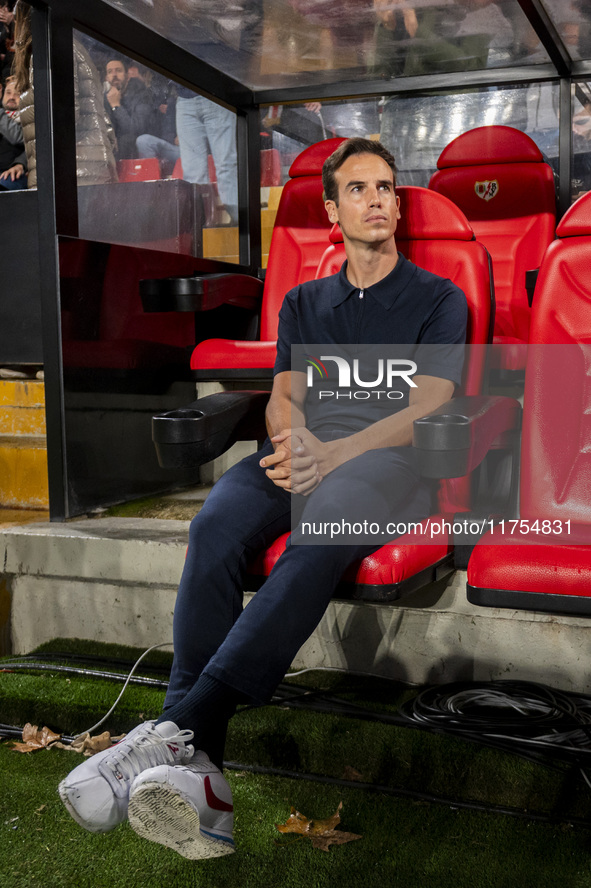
[409, 794]
[510, 715]
[88, 673]
[93, 659]
[531, 720]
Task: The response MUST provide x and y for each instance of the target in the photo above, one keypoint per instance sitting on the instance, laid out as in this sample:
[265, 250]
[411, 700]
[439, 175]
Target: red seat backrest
[556, 441]
[498, 177]
[300, 233]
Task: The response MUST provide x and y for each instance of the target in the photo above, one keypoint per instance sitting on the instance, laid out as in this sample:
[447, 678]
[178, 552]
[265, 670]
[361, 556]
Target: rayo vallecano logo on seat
[377, 382]
[487, 189]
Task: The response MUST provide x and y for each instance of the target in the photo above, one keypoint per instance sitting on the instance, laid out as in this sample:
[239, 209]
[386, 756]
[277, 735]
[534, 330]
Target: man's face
[11, 98]
[116, 75]
[368, 209]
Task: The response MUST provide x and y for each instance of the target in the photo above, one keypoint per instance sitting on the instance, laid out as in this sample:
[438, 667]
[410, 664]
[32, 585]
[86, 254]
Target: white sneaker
[186, 807]
[96, 793]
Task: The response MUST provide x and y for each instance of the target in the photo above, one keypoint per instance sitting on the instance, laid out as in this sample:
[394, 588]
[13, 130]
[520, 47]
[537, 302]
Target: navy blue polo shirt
[409, 307]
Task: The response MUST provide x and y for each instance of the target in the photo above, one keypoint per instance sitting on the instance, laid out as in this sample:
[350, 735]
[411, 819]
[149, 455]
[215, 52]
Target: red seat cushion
[216, 353]
[559, 564]
[391, 564]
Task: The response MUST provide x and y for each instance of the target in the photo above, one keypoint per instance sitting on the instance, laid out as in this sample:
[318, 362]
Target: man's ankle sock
[205, 710]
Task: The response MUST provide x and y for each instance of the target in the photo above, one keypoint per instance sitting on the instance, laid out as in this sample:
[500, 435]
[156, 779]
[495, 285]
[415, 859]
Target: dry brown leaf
[34, 739]
[322, 833]
[88, 745]
[299, 823]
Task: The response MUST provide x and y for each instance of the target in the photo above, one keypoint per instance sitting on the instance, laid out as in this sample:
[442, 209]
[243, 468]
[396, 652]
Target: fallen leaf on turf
[34, 739]
[88, 745]
[299, 823]
[322, 833]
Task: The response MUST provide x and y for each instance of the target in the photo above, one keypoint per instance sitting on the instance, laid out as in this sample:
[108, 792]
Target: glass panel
[416, 128]
[279, 43]
[572, 19]
[156, 163]
[581, 160]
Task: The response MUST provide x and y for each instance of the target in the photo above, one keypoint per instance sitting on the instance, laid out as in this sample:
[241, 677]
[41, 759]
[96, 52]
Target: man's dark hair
[117, 58]
[344, 152]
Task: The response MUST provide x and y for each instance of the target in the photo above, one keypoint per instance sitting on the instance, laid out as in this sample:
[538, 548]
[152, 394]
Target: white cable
[112, 709]
[337, 669]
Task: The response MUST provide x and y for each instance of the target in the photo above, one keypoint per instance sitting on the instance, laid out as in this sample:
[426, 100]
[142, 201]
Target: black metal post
[43, 27]
[249, 188]
[565, 142]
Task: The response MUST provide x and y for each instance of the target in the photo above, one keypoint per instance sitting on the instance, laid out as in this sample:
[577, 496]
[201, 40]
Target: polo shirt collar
[385, 291]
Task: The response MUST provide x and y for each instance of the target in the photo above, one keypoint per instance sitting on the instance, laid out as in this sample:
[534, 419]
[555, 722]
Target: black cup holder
[448, 419]
[185, 413]
[442, 432]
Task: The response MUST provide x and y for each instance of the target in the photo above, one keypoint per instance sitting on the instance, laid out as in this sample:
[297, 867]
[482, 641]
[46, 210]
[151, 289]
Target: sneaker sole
[160, 814]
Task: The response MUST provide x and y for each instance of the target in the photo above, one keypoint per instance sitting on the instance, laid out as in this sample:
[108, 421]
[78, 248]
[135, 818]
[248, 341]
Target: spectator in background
[165, 145]
[485, 22]
[6, 38]
[95, 139]
[23, 70]
[13, 158]
[95, 163]
[130, 107]
[206, 128]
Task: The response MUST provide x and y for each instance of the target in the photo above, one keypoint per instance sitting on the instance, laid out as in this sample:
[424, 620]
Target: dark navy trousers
[251, 649]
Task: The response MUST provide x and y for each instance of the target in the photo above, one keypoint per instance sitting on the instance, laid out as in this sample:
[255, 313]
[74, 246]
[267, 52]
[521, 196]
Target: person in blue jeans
[203, 128]
[320, 462]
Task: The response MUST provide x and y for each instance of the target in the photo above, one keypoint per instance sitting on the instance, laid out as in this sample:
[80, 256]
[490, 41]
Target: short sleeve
[288, 332]
[443, 336]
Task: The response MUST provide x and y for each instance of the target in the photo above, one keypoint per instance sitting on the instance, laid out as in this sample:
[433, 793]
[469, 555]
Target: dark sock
[205, 710]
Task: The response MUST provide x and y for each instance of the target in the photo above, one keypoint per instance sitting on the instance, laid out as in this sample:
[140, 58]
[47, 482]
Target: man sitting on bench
[320, 461]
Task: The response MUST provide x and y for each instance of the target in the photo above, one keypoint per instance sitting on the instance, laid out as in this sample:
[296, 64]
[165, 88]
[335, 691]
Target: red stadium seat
[434, 234]
[141, 169]
[543, 561]
[300, 237]
[498, 177]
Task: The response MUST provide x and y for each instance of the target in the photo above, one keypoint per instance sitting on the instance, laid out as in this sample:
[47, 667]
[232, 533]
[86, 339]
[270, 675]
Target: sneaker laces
[148, 750]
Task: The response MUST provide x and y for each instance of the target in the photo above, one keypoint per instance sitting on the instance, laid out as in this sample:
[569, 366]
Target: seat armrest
[453, 440]
[206, 428]
[201, 292]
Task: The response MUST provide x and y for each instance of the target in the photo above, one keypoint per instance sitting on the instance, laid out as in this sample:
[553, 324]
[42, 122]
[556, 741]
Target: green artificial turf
[405, 843]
